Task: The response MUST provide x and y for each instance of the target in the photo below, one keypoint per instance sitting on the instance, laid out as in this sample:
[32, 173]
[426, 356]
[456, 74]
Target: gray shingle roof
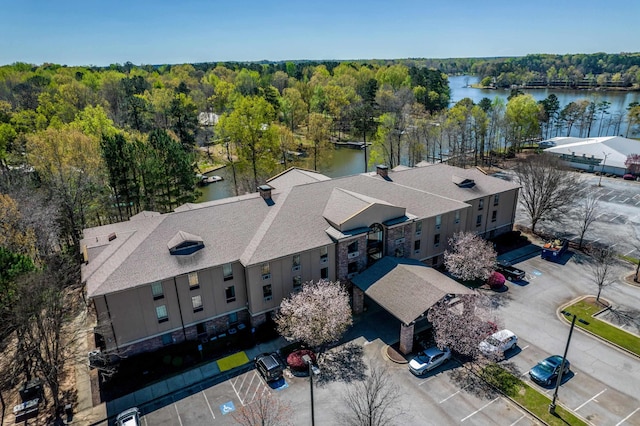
[246, 229]
[406, 288]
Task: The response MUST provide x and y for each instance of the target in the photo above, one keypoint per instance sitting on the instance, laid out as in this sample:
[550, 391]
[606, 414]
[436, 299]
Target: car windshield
[547, 366]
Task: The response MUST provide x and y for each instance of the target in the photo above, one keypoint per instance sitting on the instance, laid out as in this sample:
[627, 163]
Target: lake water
[347, 161]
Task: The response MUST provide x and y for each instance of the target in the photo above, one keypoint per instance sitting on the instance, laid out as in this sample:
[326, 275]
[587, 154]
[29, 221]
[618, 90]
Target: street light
[552, 406]
[307, 359]
[602, 171]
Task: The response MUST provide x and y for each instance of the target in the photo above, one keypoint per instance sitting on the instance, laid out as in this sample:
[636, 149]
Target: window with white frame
[157, 291]
[227, 271]
[480, 203]
[418, 228]
[295, 262]
[438, 221]
[161, 313]
[193, 280]
[479, 220]
[297, 283]
[457, 216]
[494, 216]
[266, 269]
[324, 253]
[496, 199]
[436, 240]
[196, 302]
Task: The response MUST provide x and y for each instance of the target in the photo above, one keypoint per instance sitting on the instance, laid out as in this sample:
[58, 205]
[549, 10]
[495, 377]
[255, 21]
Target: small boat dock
[352, 144]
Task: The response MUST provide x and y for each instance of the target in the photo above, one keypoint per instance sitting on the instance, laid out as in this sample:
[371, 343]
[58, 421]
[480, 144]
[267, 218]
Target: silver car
[130, 417]
[428, 360]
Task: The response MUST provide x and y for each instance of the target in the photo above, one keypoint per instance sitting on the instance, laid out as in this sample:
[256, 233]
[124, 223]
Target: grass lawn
[528, 397]
[584, 309]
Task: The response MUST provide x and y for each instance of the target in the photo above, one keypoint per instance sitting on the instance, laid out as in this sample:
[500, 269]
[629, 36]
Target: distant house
[159, 279]
[603, 154]
[207, 119]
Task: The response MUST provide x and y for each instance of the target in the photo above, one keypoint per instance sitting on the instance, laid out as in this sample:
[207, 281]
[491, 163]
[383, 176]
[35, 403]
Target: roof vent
[463, 182]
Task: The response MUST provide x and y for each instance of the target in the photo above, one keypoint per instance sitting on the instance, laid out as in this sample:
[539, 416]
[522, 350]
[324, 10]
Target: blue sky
[94, 32]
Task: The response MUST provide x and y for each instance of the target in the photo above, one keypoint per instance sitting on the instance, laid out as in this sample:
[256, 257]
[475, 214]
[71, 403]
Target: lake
[347, 161]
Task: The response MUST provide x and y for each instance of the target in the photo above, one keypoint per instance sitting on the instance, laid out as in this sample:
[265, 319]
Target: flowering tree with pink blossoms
[470, 257]
[318, 315]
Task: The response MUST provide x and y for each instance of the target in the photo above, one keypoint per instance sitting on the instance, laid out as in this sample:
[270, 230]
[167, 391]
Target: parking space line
[522, 417]
[522, 349]
[625, 200]
[178, 413]
[592, 398]
[637, 202]
[208, 405]
[629, 252]
[627, 418]
[480, 409]
[609, 192]
[450, 396]
[611, 220]
[426, 380]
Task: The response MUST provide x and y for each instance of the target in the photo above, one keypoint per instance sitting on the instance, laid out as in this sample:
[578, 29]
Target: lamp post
[602, 170]
[552, 406]
[307, 360]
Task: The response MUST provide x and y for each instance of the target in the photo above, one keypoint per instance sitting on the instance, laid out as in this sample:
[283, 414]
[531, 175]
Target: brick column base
[358, 300]
[406, 338]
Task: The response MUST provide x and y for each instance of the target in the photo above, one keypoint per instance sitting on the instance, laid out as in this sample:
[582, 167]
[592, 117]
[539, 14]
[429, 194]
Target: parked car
[498, 343]
[509, 271]
[628, 176]
[269, 366]
[130, 417]
[428, 360]
[546, 371]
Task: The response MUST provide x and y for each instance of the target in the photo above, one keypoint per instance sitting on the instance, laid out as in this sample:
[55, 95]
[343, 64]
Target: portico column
[406, 338]
[358, 300]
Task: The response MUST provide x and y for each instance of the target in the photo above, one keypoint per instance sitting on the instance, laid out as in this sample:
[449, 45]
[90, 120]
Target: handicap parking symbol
[227, 407]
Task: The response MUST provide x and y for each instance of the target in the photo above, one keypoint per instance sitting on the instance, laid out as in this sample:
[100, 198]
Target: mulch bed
[393, 353]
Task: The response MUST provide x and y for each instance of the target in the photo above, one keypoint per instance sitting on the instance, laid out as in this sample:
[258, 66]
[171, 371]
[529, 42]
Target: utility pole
[307, 359]
[552, 406]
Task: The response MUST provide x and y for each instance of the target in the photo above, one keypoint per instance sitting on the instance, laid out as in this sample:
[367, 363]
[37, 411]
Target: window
[196, 302]
[161, 313]
[399, 252]
[227, 271]
[418, 228]
[156, 290]
[480, 203]
[436, 240]
[267, 293]
[416, 245]
[297, 283]
[233, 317]
[434, 261]
[438, 221]
[457, 216]
[496, 199]
[230, 293]
[479, 220]
[193, 281]
[401, 232]
[352, 267]
[266, 269]
[167, 339]
[494, 216]
[296, 260]
[324, 254]
[324, 273]
[353, 247]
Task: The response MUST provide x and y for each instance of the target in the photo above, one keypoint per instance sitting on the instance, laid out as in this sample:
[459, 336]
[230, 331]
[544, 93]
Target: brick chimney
[265, 191]
[383, 171]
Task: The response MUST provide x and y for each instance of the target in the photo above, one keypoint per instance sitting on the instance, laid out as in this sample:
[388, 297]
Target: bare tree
[587, 211]
[470, 257]
[264, 410]
[548, 189]
[374, 401]
[462, 322]
[601, 266]
[318, 315]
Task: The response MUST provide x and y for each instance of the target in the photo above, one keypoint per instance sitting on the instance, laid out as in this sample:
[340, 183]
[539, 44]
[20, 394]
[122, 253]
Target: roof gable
[347, 210]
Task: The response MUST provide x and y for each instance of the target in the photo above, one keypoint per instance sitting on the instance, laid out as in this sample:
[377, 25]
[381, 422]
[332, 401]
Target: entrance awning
[406, 288]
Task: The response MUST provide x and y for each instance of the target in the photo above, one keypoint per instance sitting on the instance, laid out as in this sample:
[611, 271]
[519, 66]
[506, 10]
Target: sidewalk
[373, 324]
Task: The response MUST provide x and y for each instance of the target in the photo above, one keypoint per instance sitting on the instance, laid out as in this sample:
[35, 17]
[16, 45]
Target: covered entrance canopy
[406, 288]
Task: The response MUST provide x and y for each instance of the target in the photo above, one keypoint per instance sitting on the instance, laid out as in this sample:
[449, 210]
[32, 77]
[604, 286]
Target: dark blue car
[547, 370]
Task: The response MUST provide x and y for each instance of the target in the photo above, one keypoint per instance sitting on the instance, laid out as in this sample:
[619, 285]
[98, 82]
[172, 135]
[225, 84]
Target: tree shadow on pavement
[628, 317]
[344, 363]
[468, 378]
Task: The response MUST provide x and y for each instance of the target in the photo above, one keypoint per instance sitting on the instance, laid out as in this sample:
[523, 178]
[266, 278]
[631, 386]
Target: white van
[130, 417]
